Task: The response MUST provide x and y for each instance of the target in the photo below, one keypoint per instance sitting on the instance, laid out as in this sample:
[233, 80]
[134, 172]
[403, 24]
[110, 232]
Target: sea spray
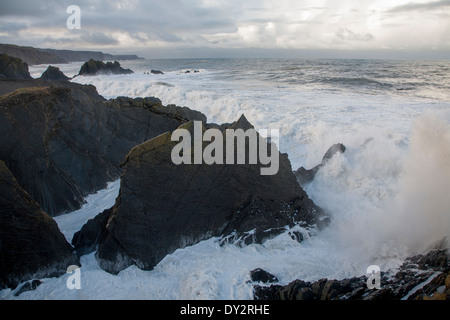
[422, 205]
[388, 200]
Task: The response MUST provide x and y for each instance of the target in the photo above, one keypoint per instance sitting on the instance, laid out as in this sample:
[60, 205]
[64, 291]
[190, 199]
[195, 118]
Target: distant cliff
[32, 55]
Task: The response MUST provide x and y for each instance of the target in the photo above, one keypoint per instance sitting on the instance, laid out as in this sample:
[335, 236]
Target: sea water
[387, 194]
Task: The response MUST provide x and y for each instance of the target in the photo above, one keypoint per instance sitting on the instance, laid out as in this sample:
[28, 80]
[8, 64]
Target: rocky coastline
[62, 140]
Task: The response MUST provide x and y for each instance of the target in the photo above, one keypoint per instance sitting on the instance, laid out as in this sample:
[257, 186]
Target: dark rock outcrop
[156, 72]
[13, 68]
[31, 244]
[307, 175]
[94, 67]
[53, 73]
[260, 275]
[65, 141]
[162, 206]
[91, 234]
[419, 277]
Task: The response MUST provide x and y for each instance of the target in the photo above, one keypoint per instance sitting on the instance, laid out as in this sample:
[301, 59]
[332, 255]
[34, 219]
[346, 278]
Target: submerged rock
[31, 244]
[163, 206]
[28, 286]
[307, 175]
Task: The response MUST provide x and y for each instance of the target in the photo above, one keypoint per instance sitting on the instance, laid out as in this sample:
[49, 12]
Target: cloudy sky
[214, 28]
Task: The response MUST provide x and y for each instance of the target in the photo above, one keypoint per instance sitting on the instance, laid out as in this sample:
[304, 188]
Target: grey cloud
[421, 6]
[12, 26]
[33, 8]
[98, 38]
[346, 34]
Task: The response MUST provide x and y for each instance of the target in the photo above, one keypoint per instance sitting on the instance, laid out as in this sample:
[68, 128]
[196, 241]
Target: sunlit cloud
[216, 24]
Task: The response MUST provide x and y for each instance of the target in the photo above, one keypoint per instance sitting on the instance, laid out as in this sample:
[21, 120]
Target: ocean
[387, 194]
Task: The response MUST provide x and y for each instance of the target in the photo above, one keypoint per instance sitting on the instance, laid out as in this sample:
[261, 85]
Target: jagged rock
[53, 73]
[162, 206]
[31, 244]
[94, 67]
[65, 141]
[260, 275]
[13, 68]
[412, 281]
[307, 175]
[156, 72]
[87, 239]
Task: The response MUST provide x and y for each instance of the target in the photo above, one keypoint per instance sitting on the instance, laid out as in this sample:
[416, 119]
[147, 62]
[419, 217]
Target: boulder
[53, 73]
[307, 175]
[13, 68]
[94, 67]
[65, 141]
[260, 275]
[163, 206]
[156, 72]
[31, 244]
[411, 281]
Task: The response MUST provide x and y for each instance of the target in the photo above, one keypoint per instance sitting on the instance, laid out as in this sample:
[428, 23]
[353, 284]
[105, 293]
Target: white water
[387, 194]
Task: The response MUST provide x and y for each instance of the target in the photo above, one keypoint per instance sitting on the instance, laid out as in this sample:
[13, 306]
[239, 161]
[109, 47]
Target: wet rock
[307, 175]
[408, 282]
[13, 68]
[156, 72]
[260, 275]
[65, 141]
[93, 231]
[95, 67]
[163, 206]
[31, 244]
[53, 73]
[28, 286]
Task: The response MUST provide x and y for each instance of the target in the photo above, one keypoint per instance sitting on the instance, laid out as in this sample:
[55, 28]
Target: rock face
[420, 277]
[53, 73]
[260, 275]
[163, 206]
[13, 68]
[31, 244]
[94, 67]
[62, 142]
[307, 175]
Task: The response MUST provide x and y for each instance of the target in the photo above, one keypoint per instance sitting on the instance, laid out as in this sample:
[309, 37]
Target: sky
[235, 28]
